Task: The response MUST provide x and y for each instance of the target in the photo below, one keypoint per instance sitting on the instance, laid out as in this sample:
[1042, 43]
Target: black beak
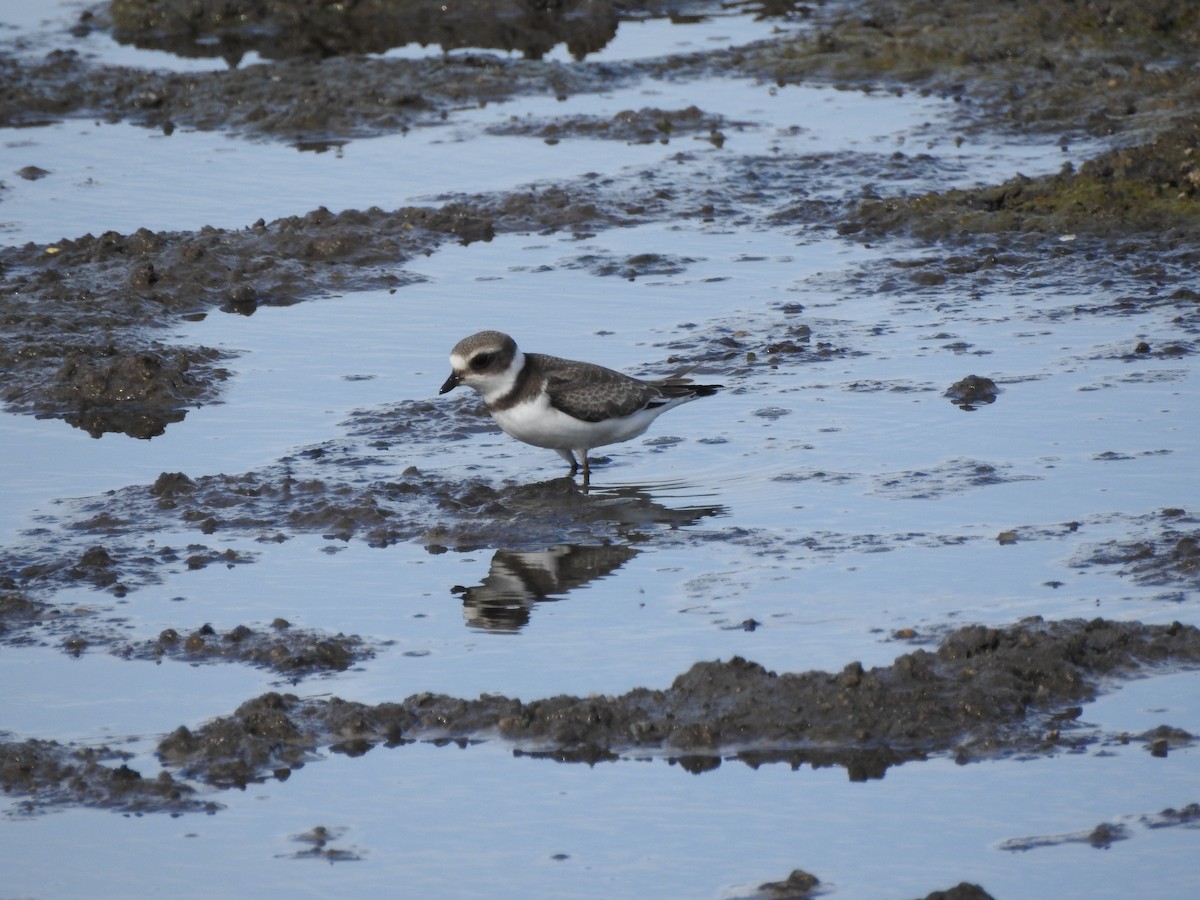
[451, 383]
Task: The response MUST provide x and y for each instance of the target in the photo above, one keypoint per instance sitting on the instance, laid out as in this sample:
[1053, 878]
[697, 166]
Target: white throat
[494, 385]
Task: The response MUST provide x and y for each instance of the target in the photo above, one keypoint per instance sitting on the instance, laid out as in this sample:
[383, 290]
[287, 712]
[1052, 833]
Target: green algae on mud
[1085, 67]
[1151, 189]
[1124, 67]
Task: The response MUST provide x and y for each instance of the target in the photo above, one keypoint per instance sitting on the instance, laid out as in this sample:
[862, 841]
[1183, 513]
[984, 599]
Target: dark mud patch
[818, 475]
[1188, 816]
[290, 651]
[278, 502]
[897, 386]
[1142, 351]
[312, 28]
[264, 742]
[972, 392]
[116, 566]
[46, 774]
[632, 267]
[282, 648]
[19, 614]
[1051, 282]
[318, 844]
[1104, 835]
[798, 884]
[130, 390]
[964, 890]
[951, 477]
[1101, 837]
[982, 693]
[416, 421]
[832, 544]
[1171, 293]
[1167, 554]
[554, 536]
[738, 353]
[648, 125]
[311, 104]
[801, 884]
[75, 339]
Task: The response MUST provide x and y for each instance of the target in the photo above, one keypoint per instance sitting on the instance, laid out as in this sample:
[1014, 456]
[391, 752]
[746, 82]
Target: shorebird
[561, 404]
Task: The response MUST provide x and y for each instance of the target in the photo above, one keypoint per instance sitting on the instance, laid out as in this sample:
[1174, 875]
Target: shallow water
[649, 829]
[845, 498]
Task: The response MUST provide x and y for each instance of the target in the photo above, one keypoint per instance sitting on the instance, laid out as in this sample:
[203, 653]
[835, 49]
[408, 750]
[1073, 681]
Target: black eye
[481, 361]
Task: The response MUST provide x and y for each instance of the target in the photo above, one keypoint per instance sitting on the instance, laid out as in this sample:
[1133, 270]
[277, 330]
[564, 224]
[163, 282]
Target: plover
[562, 404]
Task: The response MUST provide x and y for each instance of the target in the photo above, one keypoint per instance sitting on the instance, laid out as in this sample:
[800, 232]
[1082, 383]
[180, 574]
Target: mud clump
[18, 613]
[259, 735]
[983, 692]
[643, 126]
[138, 393]
[1169, 556]
[293, 652]
[317, 843]
[314, 28]
[962, 891]
[1101, 837]
[313, 104]
[972, 392]
[49, 774]
[798, 884]
[1172, 817]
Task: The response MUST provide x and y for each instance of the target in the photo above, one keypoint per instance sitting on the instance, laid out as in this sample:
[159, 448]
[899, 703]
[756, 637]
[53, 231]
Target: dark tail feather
[679, 385]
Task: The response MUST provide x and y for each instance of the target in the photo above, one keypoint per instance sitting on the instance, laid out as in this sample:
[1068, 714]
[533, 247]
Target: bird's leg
[569, 456]
[587, 469]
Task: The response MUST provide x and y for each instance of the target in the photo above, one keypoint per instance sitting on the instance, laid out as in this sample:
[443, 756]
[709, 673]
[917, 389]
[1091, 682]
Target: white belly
[540, 424]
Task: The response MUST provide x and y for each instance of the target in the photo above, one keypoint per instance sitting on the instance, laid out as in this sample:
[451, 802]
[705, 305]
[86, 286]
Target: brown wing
[593, 393]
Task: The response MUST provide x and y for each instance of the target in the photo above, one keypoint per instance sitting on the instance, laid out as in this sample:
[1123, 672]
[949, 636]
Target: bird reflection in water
[516, 580]
[519, 579]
